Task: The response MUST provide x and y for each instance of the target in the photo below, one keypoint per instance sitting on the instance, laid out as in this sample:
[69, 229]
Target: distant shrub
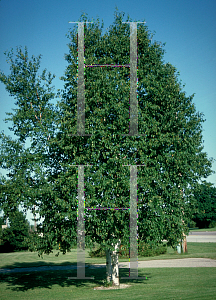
[192, 224]
[212, 224]
[14, 238]
[143, 250]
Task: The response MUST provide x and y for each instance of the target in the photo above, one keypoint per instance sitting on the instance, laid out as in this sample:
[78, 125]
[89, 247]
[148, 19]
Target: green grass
[205, 229]
[161, 283]
[31, 259]
[195, 250]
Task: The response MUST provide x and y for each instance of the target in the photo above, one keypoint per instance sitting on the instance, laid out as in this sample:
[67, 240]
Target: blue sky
[188, 27]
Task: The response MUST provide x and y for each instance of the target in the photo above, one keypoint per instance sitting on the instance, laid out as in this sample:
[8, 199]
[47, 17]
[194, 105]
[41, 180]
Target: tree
[14, 237]
[33, 123]
[205, 213]
[2, 222]
[171, 148]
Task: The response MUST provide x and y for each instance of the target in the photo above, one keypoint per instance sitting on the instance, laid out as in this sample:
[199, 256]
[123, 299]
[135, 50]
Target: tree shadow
[37, 264]
[47, 279]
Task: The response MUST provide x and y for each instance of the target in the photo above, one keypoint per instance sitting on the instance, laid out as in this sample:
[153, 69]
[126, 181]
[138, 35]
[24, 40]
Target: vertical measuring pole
[81, 227]
[133, 80]
[133, 264]
[133, 223]
[81, 86]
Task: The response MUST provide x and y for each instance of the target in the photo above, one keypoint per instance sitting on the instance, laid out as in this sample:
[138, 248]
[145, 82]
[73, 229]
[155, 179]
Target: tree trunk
[112, 267]
[184, 248]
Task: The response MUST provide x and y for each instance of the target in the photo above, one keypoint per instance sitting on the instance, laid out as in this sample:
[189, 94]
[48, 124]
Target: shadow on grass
[67, 263]
[47, 279]
[37, 264]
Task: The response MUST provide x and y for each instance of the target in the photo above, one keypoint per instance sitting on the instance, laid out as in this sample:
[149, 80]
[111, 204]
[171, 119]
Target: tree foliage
[205, 212]
[45, 173]
[33, 124]
[14, 237]
[2, 222]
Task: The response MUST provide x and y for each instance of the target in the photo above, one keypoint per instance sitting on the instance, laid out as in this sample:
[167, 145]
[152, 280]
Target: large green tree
[170, 147]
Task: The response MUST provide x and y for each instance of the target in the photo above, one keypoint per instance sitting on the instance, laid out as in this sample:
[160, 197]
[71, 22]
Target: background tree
[171, 148]
[2, 222]
[14, 237]
[205, 214]
[33, 124]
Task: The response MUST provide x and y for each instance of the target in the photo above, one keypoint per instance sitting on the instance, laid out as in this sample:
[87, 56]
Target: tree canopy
[205, 212]
[14, 237]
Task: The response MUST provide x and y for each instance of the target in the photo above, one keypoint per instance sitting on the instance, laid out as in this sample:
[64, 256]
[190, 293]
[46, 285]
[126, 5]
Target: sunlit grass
[161, 283]
[204, 229]
[29, 259]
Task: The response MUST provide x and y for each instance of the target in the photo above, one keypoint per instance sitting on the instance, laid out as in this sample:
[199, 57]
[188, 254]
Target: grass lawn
[205, 229]
[163, 283]
[30, 259]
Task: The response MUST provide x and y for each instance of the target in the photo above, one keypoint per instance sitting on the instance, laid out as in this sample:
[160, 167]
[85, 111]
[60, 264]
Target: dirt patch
[121, 286]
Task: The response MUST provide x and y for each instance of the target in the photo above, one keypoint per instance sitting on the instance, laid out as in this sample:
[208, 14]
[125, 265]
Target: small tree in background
[2, 222]
[205, 195]
[14, 237]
